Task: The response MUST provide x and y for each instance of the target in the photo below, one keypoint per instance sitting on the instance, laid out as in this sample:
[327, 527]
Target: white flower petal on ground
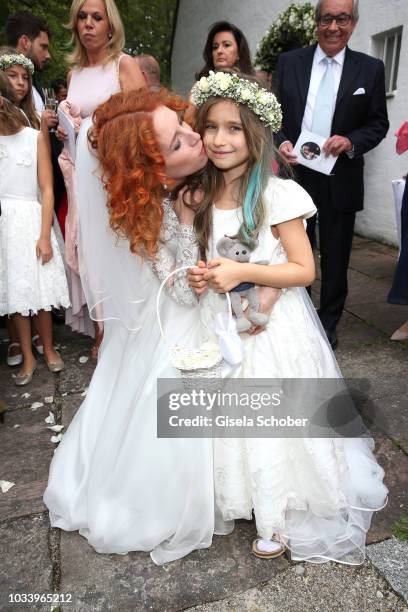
[83, 359]
[16, 426]
[84, 392]
[5, 485]
[36, 405]
[56, 439]
[25, 395]
[49, 399]
[50, 418]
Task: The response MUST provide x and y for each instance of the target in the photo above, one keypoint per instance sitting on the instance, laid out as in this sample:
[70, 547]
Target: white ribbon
[229, 340]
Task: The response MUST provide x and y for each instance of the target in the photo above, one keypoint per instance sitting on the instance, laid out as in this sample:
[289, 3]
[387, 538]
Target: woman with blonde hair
[99, 69]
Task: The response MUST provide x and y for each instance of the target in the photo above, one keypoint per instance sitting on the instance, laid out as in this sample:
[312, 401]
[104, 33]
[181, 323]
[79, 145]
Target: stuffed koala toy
[232, 248]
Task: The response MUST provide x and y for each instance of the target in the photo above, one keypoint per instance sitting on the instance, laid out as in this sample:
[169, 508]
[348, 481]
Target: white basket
[204, 362]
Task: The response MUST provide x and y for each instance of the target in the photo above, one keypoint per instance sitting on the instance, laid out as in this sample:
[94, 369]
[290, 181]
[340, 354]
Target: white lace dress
[26, 286]
[317, 493]
[111, 477]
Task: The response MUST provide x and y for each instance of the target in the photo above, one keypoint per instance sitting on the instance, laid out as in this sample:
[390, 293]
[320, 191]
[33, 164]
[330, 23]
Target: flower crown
[224, 85]
[16, 59]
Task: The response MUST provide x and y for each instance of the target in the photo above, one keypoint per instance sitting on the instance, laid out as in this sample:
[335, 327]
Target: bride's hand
[195, 278]
[268, 296]
[185, 205]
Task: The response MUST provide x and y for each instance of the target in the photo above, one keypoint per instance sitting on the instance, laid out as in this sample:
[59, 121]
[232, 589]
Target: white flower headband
[224, 85]
[16, 59]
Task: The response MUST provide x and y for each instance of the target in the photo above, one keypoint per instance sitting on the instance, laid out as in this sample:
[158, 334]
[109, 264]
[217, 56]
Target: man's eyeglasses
[341, 20]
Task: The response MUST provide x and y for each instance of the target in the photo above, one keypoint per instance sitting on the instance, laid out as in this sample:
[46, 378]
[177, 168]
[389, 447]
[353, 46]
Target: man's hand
[286, 150]
[335, 145]
[50, 118]
[195, 278]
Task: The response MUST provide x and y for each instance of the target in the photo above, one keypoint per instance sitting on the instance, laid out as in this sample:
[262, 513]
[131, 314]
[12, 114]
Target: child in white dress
[316, 496]
[32, 276]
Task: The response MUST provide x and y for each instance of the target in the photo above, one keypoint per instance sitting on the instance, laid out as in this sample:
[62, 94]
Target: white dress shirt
[318, 69]
[37, 100]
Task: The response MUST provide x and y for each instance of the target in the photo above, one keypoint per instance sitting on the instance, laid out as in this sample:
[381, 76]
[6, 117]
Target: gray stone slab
[383, 316]
[76, 376]
[364, 289]
[391, 559]
[25, 563]
[395, 464]
[26, 452]
[375, 260]
[70, 405]
[311, 588]
[133, 582]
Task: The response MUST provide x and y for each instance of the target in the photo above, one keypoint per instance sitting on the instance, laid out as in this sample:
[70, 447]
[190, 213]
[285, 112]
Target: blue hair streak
[251, 199]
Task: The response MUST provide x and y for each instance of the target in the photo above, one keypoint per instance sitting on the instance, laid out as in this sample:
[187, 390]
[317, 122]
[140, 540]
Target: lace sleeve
[178, 248]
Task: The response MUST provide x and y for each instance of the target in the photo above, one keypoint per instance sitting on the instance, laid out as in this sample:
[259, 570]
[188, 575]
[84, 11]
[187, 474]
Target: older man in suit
[340, 94]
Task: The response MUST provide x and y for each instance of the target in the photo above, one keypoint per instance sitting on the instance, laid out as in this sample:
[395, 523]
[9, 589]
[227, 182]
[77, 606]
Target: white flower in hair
[246, 94]
[224, 85]
[203, 84]
[16, 59]
[223, 80]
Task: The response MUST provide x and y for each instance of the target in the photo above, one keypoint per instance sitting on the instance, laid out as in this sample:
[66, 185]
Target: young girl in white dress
[316, 496]
[32, 276]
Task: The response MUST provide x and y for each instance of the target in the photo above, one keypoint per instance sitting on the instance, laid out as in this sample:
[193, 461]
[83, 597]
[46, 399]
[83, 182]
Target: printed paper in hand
[309, 151]
[68, 125]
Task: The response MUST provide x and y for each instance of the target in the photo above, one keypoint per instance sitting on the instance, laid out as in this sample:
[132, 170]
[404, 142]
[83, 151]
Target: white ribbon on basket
[230, 342]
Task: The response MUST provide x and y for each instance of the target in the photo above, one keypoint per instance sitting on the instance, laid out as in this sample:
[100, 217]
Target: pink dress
[88, 88]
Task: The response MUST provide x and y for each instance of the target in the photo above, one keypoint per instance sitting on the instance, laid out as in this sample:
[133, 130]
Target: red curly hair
[133, 169]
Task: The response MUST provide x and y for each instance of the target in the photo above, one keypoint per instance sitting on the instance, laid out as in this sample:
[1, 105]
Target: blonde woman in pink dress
[99, 69]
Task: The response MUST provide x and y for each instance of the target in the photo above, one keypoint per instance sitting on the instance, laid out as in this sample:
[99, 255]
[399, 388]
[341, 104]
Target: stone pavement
[38, 559]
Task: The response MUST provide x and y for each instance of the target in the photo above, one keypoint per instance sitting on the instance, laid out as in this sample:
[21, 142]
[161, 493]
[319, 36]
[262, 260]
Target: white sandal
[38, 347]
[14, 360]
[268, 549]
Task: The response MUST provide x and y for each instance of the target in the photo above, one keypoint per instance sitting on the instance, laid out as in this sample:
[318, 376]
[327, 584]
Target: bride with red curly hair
[111, 477]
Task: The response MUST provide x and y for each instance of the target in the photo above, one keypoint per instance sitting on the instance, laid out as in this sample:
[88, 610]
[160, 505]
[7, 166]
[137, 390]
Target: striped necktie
[325, 100]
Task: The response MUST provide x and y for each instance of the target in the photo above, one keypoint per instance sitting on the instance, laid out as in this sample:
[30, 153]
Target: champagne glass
[51, 102]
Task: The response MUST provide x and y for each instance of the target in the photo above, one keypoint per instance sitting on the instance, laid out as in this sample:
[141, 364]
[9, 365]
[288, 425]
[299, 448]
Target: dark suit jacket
[363, 118]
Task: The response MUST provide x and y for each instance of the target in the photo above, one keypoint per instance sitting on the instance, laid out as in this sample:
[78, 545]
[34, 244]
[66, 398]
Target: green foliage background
[148, 25]
[292, 29]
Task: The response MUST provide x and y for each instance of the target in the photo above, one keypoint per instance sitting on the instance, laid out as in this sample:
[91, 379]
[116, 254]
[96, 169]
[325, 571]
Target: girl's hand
[268, 296]
[195, 278]
[44, 250]
[224, 274]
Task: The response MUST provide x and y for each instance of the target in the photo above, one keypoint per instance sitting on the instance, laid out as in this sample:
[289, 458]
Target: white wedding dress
[318, 494]
[26, 285]
[111, 478]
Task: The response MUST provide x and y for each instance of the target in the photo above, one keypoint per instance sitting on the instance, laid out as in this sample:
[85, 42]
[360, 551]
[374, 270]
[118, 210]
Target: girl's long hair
[78, 58]
[133, 168]
[252, 183]
[244, 54]
[11, 117]
[26, 104]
